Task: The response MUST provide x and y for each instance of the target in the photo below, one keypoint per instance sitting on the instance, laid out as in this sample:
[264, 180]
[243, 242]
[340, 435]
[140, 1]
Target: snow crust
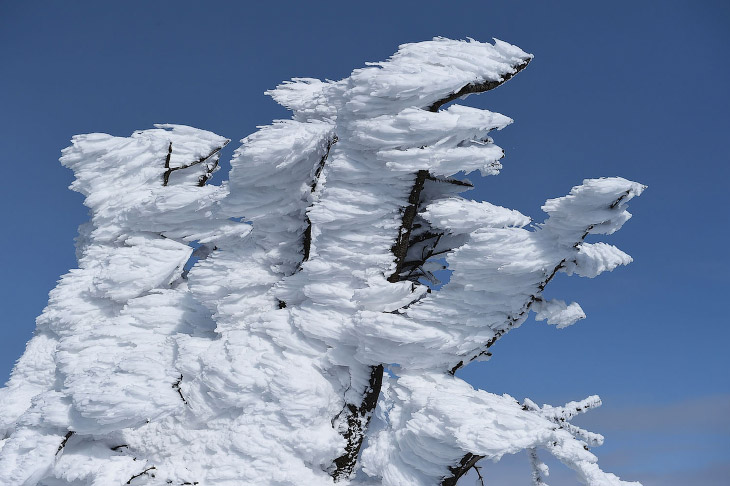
[223, 335]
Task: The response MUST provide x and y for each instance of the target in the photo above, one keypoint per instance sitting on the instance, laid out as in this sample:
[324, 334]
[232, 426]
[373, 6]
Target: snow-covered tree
[283, 328]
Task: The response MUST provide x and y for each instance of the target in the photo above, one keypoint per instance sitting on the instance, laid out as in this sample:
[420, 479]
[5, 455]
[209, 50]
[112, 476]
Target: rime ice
[259, 357]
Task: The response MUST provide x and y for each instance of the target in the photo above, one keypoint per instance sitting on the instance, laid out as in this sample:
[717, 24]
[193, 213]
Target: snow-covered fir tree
[283, 328]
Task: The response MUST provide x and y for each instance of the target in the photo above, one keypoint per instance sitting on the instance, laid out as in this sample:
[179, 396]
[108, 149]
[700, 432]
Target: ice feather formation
[284, 327]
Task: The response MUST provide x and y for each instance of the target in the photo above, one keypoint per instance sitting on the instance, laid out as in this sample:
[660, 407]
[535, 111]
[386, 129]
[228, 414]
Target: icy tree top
[422, 75]
[240, 334]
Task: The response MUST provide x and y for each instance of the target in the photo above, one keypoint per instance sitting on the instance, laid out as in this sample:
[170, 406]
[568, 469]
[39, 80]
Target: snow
[558, 312]
[249, 360]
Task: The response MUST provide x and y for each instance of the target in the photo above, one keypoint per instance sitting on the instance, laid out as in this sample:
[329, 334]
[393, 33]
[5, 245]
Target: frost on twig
[209, 167]
[539, 469]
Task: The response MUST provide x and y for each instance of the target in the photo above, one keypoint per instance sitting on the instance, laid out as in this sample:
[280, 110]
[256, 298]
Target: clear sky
[631, 88]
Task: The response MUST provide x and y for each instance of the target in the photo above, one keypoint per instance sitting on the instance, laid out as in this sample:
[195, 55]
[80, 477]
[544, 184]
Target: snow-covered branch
[285, 327]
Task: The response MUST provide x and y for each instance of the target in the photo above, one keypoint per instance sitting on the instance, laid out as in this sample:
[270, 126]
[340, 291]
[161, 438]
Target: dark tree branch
[424, 257]
[141, 474]
[322, 161]
[449, 180]
[167, 164]
[479, 474]
[208, 174]
[63, 442]
[425, 236]
[400, 248]
[358, 419]
[467, 462]
[513, 319]
[307, 238]
[472, 88]
[456, 367]
[201, 181]
[176, 387]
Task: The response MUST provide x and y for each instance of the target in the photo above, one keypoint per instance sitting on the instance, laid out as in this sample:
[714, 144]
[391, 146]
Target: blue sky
[634, 89]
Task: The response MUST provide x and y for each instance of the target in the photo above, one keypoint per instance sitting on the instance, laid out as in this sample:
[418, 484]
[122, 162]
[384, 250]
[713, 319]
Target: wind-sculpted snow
[500, 263]
[288, 327]
[430, 419]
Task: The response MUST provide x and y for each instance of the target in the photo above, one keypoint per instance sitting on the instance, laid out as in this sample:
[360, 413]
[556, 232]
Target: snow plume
[239, 334]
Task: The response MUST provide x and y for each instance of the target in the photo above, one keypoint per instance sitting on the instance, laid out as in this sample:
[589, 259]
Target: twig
[467, 462]
[481, 479]
[63, 442]
[176, 387]
[169, 170]
[140, 474]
